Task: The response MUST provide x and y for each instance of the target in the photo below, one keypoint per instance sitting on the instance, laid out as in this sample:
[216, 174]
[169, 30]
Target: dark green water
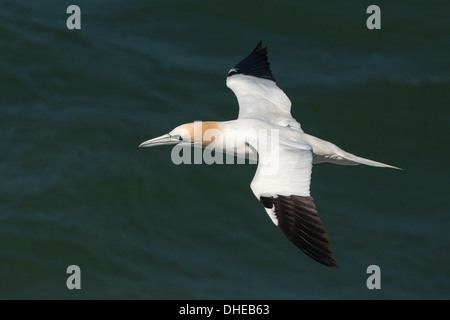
[75, 189]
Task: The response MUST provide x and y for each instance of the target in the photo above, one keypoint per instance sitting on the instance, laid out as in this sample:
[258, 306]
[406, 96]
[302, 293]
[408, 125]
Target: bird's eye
[176, 137]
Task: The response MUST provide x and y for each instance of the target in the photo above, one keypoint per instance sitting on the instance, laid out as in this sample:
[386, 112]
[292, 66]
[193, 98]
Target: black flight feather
[298, 219]
[255, 64]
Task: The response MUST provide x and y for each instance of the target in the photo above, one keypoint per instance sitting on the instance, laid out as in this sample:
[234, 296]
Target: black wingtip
[255, 64]
[258, 46]
[298, 219]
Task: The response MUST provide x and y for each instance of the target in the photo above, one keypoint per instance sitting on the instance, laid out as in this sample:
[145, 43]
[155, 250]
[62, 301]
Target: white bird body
[266, 132]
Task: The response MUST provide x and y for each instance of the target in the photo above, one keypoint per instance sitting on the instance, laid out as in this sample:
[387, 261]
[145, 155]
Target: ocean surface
[75, 189]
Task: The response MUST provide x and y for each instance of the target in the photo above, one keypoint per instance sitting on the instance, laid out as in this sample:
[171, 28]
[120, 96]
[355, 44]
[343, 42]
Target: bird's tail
[325, 151]
[351, 159]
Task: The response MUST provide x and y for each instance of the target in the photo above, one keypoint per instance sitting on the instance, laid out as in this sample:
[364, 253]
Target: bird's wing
[282, 183]
[258, 95]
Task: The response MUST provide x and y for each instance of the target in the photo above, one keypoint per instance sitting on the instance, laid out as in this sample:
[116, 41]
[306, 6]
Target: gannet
[266, 131]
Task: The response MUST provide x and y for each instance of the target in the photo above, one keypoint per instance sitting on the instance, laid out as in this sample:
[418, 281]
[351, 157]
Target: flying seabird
[285, 159]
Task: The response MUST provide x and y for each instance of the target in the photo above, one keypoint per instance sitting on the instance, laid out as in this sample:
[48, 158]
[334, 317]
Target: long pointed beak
[163, 140]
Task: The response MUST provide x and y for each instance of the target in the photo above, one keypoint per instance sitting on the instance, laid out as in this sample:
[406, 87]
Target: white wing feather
[286, 171]
[262, 99]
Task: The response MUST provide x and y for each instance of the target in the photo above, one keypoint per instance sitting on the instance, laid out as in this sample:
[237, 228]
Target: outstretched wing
[258, 95]
[281, 183]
